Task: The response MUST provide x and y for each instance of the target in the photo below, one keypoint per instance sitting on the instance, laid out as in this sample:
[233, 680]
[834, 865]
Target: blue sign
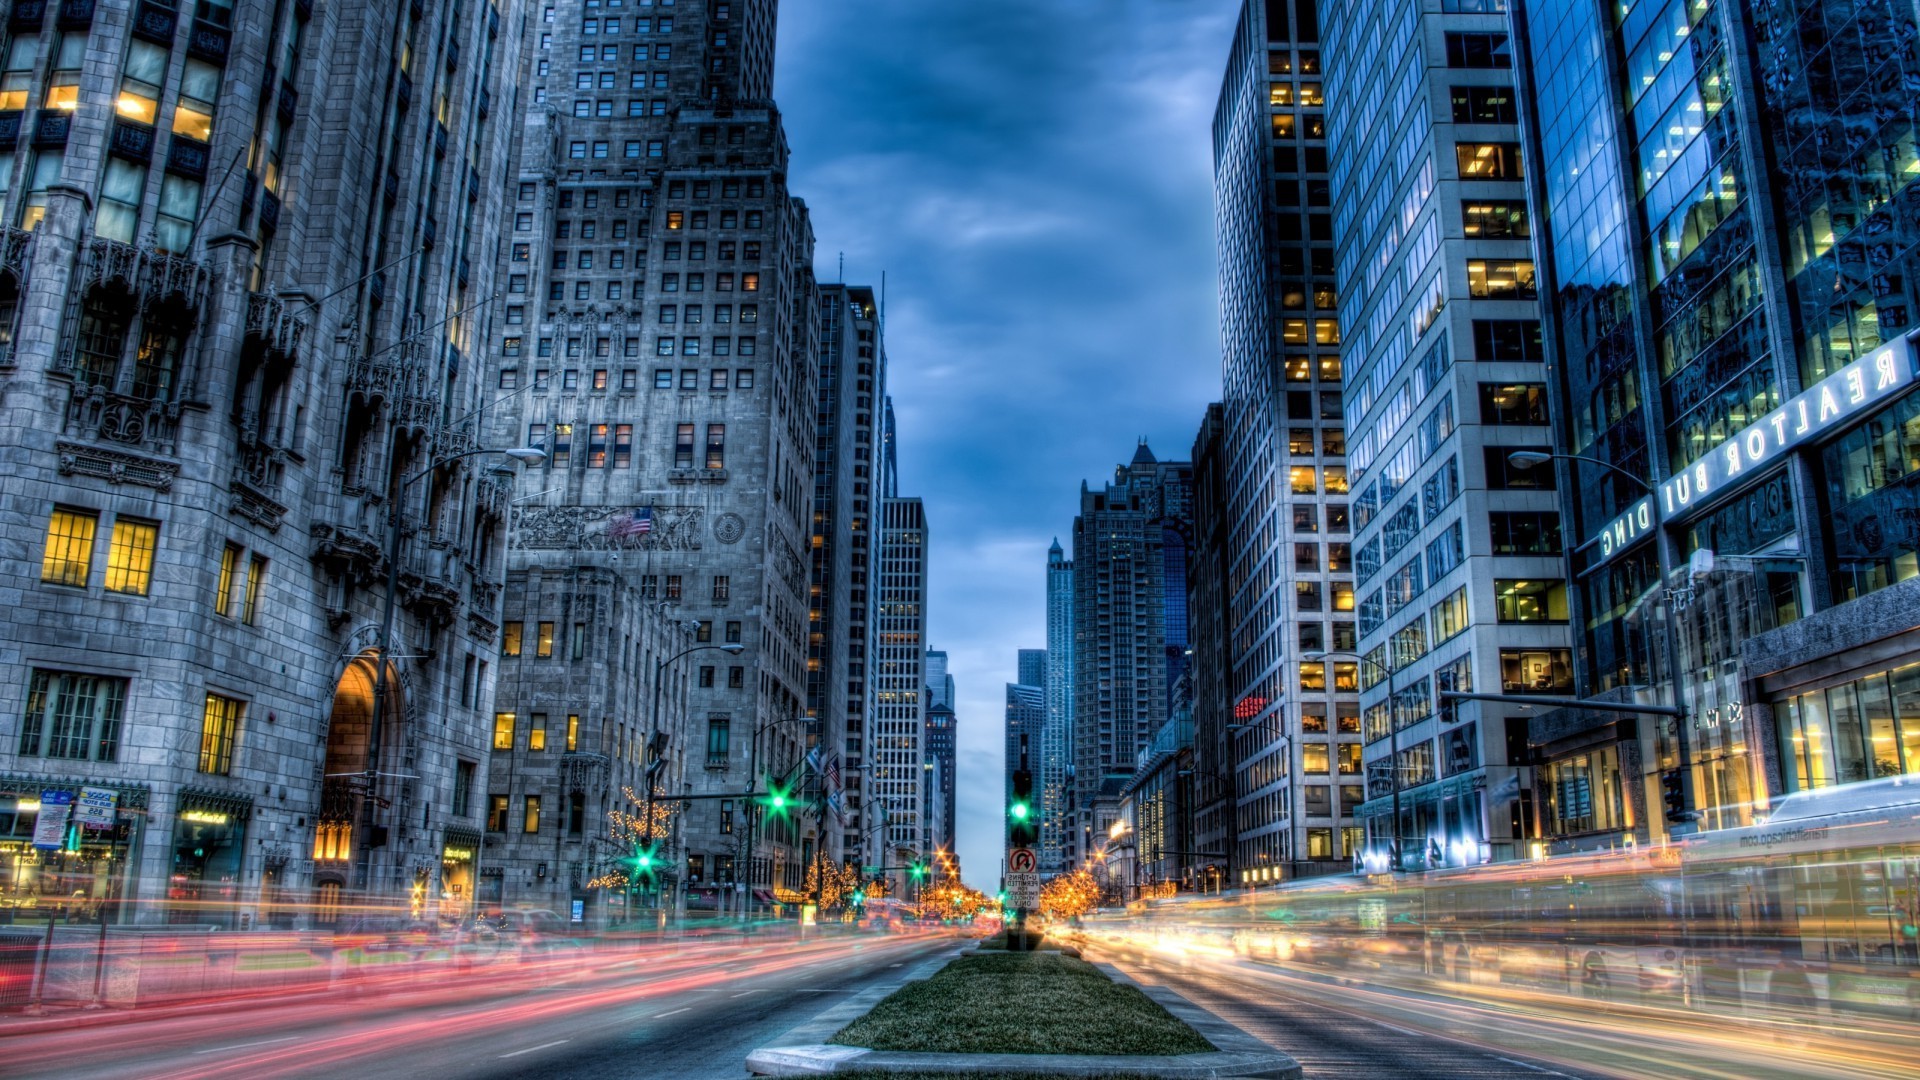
[579, 911]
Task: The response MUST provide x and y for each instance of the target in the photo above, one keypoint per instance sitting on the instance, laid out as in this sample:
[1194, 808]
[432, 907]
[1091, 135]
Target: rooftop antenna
[843, 266]
[883, 302]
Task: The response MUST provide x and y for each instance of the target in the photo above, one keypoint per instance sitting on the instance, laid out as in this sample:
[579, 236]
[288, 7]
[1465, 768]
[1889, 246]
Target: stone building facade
[240, 299]
[575, 707]
[659, 337]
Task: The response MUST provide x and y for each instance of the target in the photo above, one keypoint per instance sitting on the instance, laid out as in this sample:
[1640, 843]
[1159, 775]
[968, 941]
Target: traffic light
[859, 897]
[919, 870]
[778, 800]
[1673, 796]
[643, 860]
[1022, 831]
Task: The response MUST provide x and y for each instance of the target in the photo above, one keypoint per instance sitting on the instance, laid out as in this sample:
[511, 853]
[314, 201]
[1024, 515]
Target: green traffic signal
[1020, 811]
[919, 870]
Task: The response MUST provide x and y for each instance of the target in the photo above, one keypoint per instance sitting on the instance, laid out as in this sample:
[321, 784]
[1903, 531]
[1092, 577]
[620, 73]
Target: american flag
[833, 773]
[637, 523]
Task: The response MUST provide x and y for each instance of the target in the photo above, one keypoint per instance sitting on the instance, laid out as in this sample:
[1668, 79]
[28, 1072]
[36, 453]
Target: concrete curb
[804, 1051]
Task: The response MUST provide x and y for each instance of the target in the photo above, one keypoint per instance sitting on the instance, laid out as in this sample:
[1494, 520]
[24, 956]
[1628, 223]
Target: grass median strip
[1021, 1003]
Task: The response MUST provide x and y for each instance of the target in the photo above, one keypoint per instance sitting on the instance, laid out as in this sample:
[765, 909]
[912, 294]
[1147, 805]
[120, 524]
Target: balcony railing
[98, 414]
[152, 276]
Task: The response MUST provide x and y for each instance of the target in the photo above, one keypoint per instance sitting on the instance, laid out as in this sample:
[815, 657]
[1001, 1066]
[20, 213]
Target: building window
[1484, 105]
[1536, 671]
[510, 634]
[1495, 220]
[69, 554]
[726, 816]
[682, 453]
[673, 587]
[573, 732]
[463, 774]
[1500, 340]
[1508, 404]
[537, 731]
[543, 641]
[71, 715]
[722, 588]
[1489, 161]
[1314, 759]
[706, 676]
[333, 842]
[218, 726]
[1530, 601]
[1466, 50]
[733, 632]
[223, 591]
[578, 641]
[256, 581]
[530, 822]
[496, 813]
[503, 724]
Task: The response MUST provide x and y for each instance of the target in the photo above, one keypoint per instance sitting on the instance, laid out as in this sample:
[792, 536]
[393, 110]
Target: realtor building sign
[1821, 410]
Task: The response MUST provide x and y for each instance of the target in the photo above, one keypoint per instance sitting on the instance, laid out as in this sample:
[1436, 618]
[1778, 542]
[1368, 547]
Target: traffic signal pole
[1023, 834]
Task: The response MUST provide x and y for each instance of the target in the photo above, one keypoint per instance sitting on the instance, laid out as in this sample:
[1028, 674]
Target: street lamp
[1683, 743]
[1393, 735]
[526, 455]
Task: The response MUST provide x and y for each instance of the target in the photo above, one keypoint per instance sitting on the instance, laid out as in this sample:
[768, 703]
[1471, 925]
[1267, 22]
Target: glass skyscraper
[1727, 223]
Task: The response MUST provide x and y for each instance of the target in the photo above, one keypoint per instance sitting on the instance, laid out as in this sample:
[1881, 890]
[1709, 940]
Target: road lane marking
[744, 993]
[676, 1012]
[531, 1049]
[243, 1046]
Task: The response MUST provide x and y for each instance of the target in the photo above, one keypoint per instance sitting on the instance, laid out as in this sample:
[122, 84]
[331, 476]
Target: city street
[1354, 1028]
[692, 1014]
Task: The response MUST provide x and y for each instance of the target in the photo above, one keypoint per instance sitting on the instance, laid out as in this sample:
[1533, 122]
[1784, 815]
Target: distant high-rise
[1056, 747]
[1441, 338]
[938, 746]
[852, 373]
[939, 682]
[1129, 627]
[896, 759]
[1032, 667]
[1287, 585]
[1214, 811]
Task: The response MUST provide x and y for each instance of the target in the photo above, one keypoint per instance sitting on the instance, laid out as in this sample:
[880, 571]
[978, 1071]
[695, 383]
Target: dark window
[1530, 532]
[1484, 105]
[1507, 339]
[1507, 404]
[1503, 475]
[1478, 51]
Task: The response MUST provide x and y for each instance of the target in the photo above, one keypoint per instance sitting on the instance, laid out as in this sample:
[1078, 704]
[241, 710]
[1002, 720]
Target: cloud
[1034, 178]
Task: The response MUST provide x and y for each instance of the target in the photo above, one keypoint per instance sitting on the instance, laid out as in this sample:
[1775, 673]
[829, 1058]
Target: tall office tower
[939, 682]
[939, 746]
[1031, 665]
[572, 712]
[853, 375]
[1129, 626]
[1026, 720]
[659, 337]
[1289, 590]
[1211, 790]
[1732, 286]
[896, 759]
[1056, 735]
[237, 307]
[1438, 313]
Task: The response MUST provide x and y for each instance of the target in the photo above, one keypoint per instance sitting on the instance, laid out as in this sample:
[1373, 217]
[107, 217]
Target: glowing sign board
[1820, 410]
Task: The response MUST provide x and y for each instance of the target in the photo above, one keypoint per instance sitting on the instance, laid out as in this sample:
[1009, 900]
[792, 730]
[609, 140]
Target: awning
[762, 896]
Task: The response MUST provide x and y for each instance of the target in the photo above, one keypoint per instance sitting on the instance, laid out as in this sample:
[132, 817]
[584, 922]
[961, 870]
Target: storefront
[459, 864]
[209, 844]
[76, 869]
[1860, 729]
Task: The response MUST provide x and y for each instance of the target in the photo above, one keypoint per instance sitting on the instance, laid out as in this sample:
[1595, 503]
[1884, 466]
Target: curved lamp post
[655, 759]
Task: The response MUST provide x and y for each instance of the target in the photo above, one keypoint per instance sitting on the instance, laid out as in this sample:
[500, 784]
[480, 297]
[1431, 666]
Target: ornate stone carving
[152, 276]
[15, 244]
[729, 527]
[585, 528]
[788, 564]
[98, 413]
[271, 323]
[115, 467]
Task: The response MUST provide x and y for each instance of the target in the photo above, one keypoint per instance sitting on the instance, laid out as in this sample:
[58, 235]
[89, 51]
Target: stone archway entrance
[339, 829]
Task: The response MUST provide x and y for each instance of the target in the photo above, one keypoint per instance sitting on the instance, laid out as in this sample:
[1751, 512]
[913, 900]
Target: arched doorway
[345, 785]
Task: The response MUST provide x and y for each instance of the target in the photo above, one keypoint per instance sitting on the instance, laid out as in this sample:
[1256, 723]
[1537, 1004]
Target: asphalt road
[693, 1014]
[1357, 1026]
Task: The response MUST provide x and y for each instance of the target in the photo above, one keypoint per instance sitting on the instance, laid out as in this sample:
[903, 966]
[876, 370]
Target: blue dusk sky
[1034, 178]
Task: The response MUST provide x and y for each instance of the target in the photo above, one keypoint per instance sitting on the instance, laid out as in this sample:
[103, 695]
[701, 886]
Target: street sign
[1023, 891]
[1022, 861]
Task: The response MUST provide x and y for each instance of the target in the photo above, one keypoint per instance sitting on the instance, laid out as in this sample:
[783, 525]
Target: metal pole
[1393, 751]
[1683, 742]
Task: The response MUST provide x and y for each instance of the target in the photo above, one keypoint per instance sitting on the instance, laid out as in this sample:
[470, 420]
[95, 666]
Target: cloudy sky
[1034, 178]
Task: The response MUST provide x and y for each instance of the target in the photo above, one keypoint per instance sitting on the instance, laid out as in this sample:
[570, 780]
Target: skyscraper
[1129, 631]
[1056, 735]
[1031, 665]
[240, 313]
[897, 758]
[659, 338]
[1440, 329]
[1287, 585]
[1212, 790]
[1724, 200]
[853, 376]
[939, 682]
[939, 747]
